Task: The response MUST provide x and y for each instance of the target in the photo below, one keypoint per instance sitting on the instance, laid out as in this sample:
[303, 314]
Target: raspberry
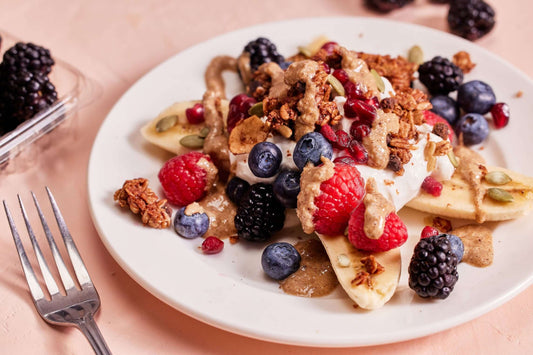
[432, 186]
[339, 196]
[394, 233]
[183, 180]
[428, 231]
[212, 245]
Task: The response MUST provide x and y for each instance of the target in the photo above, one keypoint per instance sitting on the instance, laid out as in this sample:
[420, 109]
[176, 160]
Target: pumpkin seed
[192, 141]
[415, 55]
[500, 195]
[336, 84]
[343, 260]
[379, 80]
[204, 132]
[305, 51]
[166, 123]
[453, 159]
[498, 178]
[256, 109]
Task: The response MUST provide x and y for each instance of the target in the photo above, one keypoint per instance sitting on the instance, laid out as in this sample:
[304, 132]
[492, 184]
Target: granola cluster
[399, 71]
[142, 201]
[371, 268]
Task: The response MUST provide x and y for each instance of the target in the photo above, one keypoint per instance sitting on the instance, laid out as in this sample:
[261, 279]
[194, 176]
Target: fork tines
[75, 258]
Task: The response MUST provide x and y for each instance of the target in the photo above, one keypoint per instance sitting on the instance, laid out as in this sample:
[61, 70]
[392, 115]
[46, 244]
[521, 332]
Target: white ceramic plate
[229, 290]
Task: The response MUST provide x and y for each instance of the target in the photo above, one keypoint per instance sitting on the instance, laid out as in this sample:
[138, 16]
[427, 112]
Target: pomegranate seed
[353, 91]
[343, 139]
[329, 47]
[195, 114]
[349, 108]
[500, 114]
[212, 245]
[346, 159]
[432, 186]
[428, 231]
[359, 130]
[238, 109]
[326, 67]
[358, 152]
[367, 113]
[328, 133]
[374, 101]
[341, 75]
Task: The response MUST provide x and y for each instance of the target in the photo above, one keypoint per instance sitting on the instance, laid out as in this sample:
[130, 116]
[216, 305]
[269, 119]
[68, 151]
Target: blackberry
[433, 268]
[440, 76]
[22, 95]
[28, 56]
[263, 51]
[471, 19]
[259, 213]
[387, 5]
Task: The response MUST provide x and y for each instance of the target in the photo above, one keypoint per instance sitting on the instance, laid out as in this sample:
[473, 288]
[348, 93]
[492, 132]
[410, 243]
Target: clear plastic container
[74, 90]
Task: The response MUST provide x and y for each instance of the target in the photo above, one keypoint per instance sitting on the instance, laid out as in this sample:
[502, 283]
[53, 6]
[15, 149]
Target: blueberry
[236, 188]
[473, 127]
[264, 159]
[279, 260]
[192, 226]
[457, 245]
[287, 187]
[445, 107]
[311, 147]
[475, 97]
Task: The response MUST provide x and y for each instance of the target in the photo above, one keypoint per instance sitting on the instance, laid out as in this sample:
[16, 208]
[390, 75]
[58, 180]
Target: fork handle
[88, 327]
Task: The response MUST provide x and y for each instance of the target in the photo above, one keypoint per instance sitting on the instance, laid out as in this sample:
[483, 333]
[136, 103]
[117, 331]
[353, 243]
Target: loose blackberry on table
[387, 5]
[471, 19]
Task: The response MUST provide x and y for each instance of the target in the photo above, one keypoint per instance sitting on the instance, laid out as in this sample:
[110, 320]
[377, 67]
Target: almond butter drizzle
[377, 208]
[472, 169]
[310, 180]
[279, 88]
[376, 141]
[358, 72]
[220, 210]
[477, 241]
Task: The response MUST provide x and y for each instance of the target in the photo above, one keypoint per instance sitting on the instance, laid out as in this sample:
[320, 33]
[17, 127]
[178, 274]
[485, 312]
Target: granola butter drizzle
[376, 141]
[472, 169]
[315, 277]
[279, 88]
[358, 72]
[310, 180]
[477, 241]
[377, 208]
[216, 142]
[304, 71]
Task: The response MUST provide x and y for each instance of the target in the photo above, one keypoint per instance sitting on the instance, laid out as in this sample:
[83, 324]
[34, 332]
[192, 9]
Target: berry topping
[428, 231]
[358, 152]
[343, 139]
[259, 214]
[354, 108]
[432, 186]
[329, 47]
[394, 233]
[476, 97]
[440, 75]
[212, 245]
[311, 148]
[262, 51]
[279, 260]
[28, 56]
[473, 127]
[338, 196]
[353, 91]
[457, 245]
[471, 19]
[329, 133]
[264, 159]
[387, 5]
[195, 114]
[359, 130]
[500, 114]
[193, 226]
[341, 75]
[287, 187]
[433, 268]
[445, 107]
[238, 109]
[184, 180]
[236, 188]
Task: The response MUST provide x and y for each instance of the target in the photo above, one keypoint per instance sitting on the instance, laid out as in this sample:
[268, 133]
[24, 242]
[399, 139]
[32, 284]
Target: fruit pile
[470, 19]
[25, 86]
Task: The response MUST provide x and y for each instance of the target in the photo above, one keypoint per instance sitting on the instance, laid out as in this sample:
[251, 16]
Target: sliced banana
[457, 198]
[346, 262]
[169, 139]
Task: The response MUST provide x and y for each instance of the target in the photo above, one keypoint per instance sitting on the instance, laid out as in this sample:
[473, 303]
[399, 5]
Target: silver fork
[78, 306]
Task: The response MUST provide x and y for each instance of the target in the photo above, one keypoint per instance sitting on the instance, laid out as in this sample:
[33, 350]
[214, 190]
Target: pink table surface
[115, 43]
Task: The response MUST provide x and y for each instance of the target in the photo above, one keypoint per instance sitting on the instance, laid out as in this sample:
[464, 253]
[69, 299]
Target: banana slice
[170, 135]
[369, 291]
[457, 199]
